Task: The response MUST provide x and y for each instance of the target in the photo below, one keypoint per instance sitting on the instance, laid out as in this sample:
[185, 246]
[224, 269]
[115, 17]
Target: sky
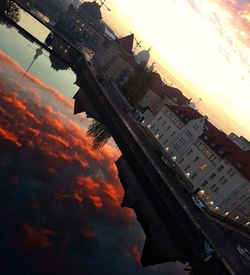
[61, 199]
[205, 47]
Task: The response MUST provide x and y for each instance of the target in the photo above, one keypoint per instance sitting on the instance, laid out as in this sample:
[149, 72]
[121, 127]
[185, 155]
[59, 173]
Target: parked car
[198, 203]
[164, 159]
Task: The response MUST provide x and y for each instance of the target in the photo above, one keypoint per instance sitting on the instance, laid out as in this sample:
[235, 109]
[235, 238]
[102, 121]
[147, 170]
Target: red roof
[217, 140]
[127, 42]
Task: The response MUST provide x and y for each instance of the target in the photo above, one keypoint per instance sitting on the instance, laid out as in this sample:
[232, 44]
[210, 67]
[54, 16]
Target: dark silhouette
[100, 134]
[137, 84]
[57, 64]
[10, 9]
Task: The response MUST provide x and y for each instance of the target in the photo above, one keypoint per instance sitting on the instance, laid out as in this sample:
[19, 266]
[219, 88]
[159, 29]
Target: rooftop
[217, 140]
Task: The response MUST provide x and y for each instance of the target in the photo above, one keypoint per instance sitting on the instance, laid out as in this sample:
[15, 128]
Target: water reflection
[60, 200]
[11, 10]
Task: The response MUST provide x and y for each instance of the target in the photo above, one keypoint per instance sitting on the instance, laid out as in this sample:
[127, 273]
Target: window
[204, 183]
[203, 166]
[196, 159]
[187, 168]
[232, 174]
[239, 164]
[235, 193]
[227, 200]
[181, 160]
[188, 134]
[159, 118]
[229, 171]
[216, 189]
[173, 133]
[212, 187]
[208, 154]
[212, 176]
[182, 141]
[201, 147]
[163, 123]
[222, 178]
[168, 128]
[165, 142]
[161, 136]
[224, 181]
[177, 147]
[193, 176]
[220, 168]
[190, 151]
[221, 152]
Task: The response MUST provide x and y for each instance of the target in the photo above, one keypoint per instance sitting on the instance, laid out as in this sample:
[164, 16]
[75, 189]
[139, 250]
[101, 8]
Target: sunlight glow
[205, 45]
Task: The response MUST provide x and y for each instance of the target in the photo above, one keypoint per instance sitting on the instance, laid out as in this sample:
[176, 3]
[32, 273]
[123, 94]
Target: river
[60, 199]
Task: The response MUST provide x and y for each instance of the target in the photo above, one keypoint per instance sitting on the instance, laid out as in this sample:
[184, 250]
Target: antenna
[137, 43]
[198, 101]
[104, 5]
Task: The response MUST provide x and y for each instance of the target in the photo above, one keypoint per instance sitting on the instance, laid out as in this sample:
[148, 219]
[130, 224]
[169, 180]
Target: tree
[100, 133]
[9, 9]
[57, 64]
[137, 84]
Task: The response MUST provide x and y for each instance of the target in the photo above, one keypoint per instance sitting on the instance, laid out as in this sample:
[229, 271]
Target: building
[213, 166]
[117, 59]
[142, 58]
[83, 25]
[160, 94]
[242, 142]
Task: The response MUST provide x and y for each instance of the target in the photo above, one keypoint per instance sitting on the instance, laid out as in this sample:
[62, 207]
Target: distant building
[242, 142]
[83, 25]
[160, 94]
[142, 58]
[212, 165]
[117, 59]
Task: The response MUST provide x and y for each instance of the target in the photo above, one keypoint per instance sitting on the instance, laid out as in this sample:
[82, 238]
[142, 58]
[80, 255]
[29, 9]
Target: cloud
[61, 199]
[238, 18]
[37, 238]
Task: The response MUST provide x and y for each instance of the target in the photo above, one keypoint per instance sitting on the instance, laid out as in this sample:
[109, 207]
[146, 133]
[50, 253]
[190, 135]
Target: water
[60, 200]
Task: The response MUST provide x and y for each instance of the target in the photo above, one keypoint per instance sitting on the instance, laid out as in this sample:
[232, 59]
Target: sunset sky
[203, 44]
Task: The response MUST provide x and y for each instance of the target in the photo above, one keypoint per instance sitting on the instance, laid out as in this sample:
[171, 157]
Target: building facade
[116, 58]
[213, 166]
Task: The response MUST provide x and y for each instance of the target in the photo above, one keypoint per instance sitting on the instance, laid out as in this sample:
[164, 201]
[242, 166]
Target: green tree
[100, 134]
[11, 10]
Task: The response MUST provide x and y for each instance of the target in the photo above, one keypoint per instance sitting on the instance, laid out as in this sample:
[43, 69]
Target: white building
[213, 166]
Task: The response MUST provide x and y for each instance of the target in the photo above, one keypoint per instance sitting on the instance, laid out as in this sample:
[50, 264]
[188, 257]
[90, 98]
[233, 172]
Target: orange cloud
[9, 136]
[77, 196]
[97, 201]
[37, 238]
